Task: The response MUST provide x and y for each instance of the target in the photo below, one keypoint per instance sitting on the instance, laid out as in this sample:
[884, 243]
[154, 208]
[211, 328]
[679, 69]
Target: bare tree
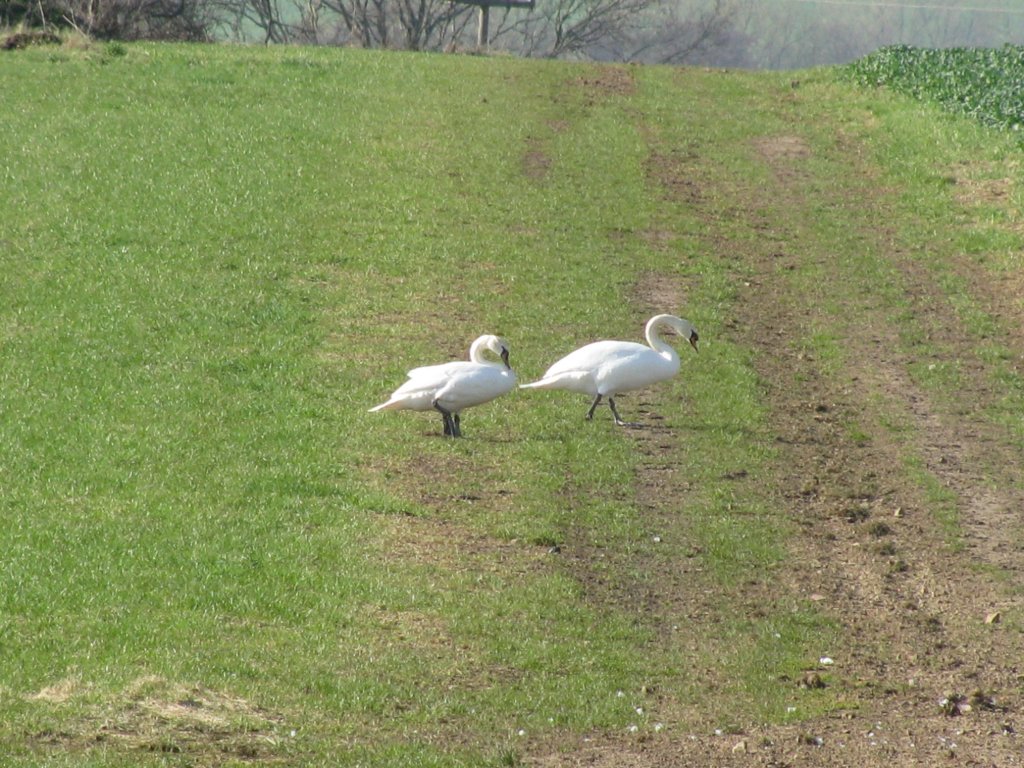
[366, 21]
[559, 28]
[275, 21]
[408, 24]
[423, 22]
[30, 13]
[648, 30]
[140, 19]
[662, 31]
[672, 35]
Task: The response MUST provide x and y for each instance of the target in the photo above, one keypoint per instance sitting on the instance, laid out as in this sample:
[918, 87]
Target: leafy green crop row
[984, 83]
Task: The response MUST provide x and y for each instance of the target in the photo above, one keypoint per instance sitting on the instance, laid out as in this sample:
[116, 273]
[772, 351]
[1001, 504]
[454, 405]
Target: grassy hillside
[216, 259]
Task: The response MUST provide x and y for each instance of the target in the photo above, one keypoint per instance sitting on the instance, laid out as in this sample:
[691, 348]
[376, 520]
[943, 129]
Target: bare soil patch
[455, 548]
[604, 81]
[536, 161]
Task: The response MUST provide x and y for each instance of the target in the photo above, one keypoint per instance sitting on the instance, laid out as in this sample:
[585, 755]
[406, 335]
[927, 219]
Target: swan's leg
[450, 428]
[593, 405]
[456, 428]
[618, 419]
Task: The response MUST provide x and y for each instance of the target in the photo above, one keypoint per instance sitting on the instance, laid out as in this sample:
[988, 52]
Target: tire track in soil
[869, 551]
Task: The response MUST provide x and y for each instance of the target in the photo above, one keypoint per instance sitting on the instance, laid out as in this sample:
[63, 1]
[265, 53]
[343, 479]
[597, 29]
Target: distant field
[215, 259]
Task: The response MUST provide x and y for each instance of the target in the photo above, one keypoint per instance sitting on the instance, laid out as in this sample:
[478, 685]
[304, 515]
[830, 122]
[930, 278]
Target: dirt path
[906, 504]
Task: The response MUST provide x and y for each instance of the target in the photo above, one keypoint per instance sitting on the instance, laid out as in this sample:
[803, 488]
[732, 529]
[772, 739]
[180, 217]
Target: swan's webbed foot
[618, 419]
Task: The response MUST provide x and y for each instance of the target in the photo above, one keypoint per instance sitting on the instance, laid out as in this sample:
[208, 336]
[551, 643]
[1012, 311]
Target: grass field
[216, 259]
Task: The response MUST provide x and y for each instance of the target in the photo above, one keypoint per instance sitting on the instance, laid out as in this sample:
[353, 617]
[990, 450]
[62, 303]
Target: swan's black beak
[694, 338]
[504, 357]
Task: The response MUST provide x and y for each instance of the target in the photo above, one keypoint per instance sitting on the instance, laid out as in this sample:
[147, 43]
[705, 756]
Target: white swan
[606, 368]
[452, 387]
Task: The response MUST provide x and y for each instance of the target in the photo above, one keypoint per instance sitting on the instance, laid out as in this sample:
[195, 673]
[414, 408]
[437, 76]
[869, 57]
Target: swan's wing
[439, 371]
[414, 395]
[420, 388]
[604, 367]
[474, 384]
[454, 386]
[574, 372]
[594, 356]
[636, 371]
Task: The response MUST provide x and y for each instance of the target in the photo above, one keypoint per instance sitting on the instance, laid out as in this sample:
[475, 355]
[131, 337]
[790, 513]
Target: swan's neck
[658, 344]
[476, 353]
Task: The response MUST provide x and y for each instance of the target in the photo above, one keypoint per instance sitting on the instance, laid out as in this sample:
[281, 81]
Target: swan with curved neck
[450, 388]
[604, 369]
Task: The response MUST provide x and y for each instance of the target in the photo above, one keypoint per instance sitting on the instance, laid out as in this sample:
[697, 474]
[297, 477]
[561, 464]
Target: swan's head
[500, 348]
[495, 344]
[678, 325]
[693, 338]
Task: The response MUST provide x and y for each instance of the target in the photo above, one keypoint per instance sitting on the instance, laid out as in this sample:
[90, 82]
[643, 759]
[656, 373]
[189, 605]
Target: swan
[606, 368]
[451, 387]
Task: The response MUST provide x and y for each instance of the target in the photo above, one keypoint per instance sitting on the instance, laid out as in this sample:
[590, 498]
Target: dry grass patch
[152, 714]
[775, 148]
[58, 693]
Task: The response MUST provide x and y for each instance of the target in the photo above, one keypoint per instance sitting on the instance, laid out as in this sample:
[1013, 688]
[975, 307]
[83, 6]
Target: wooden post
[482, 34]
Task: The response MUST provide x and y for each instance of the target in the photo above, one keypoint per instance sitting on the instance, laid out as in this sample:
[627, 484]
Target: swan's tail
[390, 405]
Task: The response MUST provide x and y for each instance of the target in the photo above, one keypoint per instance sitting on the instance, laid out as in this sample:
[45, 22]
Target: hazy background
[784, 34]
[755, 34]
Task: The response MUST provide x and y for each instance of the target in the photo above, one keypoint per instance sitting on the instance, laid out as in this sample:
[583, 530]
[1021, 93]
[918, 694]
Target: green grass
[215, 259]
[210, 286]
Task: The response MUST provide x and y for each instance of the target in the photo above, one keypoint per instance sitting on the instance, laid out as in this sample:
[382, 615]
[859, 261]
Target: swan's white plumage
[606, 368]
[455, 386]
